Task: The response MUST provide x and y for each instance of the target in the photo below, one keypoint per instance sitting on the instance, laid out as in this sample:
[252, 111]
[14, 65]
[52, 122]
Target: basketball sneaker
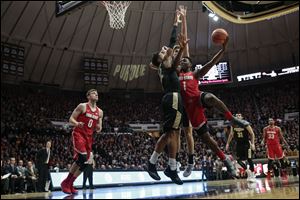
[251, 176]
[173, 175]
[73, 190]
[65, 187]
[239, 122]
[151, 169]
[188, 170]
[229, 165]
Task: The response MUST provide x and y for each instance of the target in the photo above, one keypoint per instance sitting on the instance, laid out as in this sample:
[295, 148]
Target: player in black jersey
[171, 105]
[244, 147]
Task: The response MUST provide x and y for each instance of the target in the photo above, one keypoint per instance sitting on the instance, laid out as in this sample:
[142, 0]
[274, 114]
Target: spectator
[219, 166]
[22, 177]
[12, 169]
[4, 180]
[31, 177]
[205, 168]
[56, 168]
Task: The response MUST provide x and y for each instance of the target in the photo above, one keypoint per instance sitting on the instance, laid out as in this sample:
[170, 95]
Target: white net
[116, 11]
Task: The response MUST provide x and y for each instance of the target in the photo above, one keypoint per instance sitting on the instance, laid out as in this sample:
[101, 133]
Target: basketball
[219, 36]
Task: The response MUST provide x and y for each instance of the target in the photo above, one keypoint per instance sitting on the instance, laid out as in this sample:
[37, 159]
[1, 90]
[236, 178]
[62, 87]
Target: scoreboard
[95, 71]
[218, 74]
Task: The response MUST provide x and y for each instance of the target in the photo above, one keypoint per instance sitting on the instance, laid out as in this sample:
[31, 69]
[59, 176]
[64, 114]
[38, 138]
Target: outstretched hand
[176, 18]
[182, 10]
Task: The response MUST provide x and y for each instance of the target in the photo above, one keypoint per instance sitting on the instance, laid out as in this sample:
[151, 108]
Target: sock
[191, 159]
[228, 115]
[177, 157]
[154, 157]
[221, 155]
[70, 175]
[72, 180]
[172, 163]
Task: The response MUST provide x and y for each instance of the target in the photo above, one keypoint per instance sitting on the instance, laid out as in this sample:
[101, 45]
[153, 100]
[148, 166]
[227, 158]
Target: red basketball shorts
[82, 143]
[195, 111]
[275, 150]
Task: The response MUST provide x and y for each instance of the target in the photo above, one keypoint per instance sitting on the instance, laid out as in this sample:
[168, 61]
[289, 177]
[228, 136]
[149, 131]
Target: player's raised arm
[174, 32]
[182, 12]
[201, 72]
[183, 41]
[78, 110]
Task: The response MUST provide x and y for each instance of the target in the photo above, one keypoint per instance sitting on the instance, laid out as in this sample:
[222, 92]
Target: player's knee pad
[270, 164]
[202, 131]
[81, 161]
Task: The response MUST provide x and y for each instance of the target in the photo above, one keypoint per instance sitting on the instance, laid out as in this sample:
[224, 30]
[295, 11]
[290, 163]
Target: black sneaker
[239, 122]
[167, 171]
[173, 175]
[151, 169]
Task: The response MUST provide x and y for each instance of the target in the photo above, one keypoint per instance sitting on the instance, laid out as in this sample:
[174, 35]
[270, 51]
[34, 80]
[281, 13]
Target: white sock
[172, 163]
[154, 157]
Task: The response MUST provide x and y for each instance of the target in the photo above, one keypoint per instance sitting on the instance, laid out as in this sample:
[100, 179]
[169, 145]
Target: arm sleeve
[173, 37]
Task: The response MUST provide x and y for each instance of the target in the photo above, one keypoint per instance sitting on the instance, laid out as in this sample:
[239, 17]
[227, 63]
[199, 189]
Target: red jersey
[90, 120]
[272, 135]
[188, 85]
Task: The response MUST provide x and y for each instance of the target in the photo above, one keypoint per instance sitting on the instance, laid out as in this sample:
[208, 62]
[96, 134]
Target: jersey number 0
[90, 124]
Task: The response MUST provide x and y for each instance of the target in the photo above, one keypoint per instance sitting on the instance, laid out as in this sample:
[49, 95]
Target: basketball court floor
[227, 189]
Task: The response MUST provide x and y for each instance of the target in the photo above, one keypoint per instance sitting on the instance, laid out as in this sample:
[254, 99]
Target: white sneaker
[251, 177]
[188, 170]
[178, 167]
[230, 166]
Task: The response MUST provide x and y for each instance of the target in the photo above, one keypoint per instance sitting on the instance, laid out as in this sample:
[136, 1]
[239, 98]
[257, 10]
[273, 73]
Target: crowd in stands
[26, 116]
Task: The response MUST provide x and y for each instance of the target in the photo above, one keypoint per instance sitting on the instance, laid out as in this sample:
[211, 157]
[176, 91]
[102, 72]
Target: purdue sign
[129, 72]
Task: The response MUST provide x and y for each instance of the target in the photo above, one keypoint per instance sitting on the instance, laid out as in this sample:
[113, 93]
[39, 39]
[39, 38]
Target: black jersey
[169, 79]
[240, 135]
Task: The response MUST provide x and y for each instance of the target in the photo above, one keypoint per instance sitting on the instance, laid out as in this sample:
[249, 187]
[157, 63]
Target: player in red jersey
[196, 101]
[86, 118]
[272, 135]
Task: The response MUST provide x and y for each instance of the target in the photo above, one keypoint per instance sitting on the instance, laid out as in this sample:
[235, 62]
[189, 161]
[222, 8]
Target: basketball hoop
[116, 11]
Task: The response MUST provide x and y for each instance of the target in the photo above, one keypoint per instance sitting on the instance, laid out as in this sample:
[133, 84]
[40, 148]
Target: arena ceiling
[55, 46]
